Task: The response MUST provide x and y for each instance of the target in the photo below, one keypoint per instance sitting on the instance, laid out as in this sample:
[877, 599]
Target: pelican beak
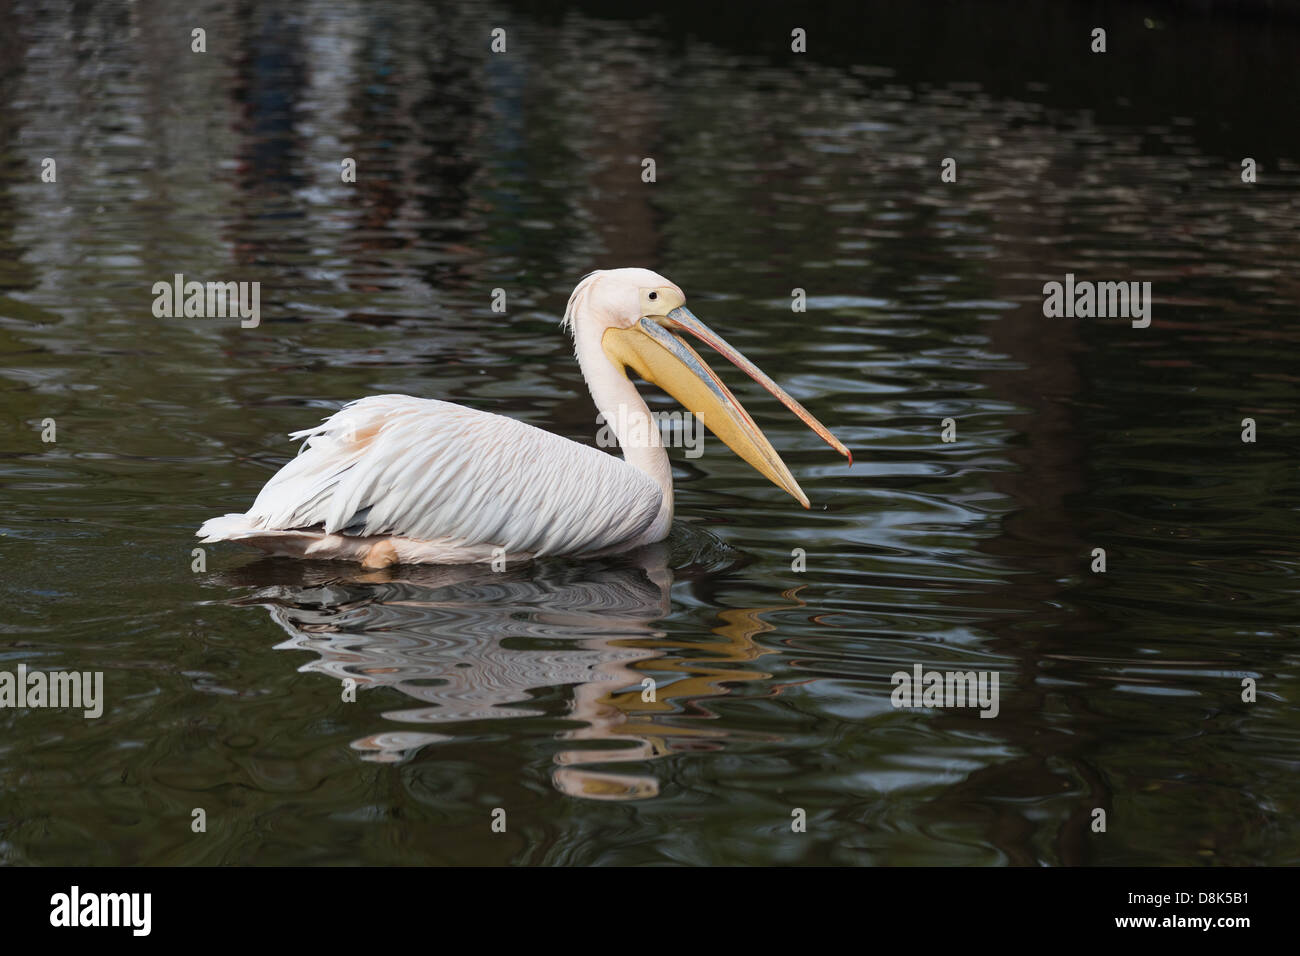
[666, 360]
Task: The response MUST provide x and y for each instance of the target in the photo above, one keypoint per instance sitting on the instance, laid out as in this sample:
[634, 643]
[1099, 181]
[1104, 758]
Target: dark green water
[522, 691]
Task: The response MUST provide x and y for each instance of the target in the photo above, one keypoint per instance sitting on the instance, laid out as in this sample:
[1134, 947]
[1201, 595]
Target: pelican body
[392, 479]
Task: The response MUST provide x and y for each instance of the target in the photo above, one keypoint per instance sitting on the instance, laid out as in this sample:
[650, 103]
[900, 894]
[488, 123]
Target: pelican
[391, 479]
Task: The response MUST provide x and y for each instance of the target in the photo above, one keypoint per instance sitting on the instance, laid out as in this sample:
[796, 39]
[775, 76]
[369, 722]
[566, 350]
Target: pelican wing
[425, 469]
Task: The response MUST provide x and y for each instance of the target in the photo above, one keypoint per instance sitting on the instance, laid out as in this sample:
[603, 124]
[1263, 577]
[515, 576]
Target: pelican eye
[653, 296]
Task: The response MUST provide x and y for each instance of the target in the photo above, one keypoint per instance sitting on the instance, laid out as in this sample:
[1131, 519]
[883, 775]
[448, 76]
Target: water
[523, 690]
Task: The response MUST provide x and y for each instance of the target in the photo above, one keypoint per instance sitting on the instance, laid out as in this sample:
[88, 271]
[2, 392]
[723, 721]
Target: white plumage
[392, 479]
[445, 480]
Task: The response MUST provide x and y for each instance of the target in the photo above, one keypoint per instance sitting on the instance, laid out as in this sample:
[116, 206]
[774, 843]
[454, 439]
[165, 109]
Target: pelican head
[636, 315]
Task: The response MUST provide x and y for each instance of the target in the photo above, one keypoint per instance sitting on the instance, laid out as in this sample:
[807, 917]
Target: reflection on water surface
[525, 690]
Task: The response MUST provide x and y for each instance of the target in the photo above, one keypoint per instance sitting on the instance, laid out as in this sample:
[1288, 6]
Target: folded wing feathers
[419, 468]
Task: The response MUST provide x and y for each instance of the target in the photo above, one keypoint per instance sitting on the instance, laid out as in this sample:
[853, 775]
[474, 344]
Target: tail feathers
[374, 551]
[294, 542]
[224, 528]
[230, 527]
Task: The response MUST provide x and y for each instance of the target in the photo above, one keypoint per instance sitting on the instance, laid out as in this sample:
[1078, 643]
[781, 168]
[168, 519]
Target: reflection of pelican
[467, 645]
[392, 479]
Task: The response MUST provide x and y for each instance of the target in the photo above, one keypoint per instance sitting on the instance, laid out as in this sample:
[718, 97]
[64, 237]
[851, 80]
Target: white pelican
[392, 479]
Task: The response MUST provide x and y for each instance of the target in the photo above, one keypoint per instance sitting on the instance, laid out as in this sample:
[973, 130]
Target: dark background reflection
[522, 172]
